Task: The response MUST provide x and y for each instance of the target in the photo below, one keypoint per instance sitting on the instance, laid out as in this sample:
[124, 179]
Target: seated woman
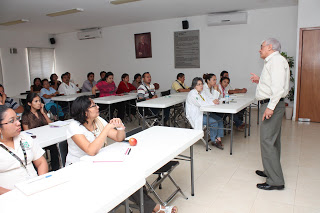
[17, 153]
[197, 98]
[211, 88]
[124, 85]
[223, 86]
[46, 93]
[137, 80]
[37, 86]
[35, 115]
[107, 87]
[54, 82]
[88, 133]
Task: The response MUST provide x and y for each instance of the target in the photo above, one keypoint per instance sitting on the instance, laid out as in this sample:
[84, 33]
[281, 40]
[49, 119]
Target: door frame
[299, 67]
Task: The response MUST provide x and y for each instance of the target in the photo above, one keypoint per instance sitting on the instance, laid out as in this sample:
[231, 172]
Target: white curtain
[41, 63]
[1, 78]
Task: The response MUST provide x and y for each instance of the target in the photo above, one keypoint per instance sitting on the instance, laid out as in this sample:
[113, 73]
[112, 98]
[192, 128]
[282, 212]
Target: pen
[39, 179]
[29, 133]
[129, 151]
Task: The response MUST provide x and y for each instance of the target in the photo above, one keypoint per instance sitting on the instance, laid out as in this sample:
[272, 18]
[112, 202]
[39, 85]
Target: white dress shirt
[274, 80]
[68, 89]
[212, 94]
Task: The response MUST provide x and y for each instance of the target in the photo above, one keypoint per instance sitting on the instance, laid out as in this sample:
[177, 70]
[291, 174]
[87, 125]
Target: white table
[234, 107]
[114, 99]
[92, 188]
[20, 97]
[158, 145]
[161, 103]
[48, 135]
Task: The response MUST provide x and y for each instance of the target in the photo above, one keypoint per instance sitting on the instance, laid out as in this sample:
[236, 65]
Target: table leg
[143, 119]
[249, 120]
[208, 129]
[231, 138]
[245, 122]
[174, 115]
[141, 201]
[192, 170]
[162, 119]
[126, 203]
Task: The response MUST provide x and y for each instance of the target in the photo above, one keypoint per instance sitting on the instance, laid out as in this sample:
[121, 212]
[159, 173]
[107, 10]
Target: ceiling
[100, 13]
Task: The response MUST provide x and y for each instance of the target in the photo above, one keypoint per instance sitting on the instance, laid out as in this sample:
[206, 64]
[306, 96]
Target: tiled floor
[227, 183]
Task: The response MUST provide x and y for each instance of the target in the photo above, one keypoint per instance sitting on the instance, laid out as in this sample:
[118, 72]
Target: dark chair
[63, 151]
[134, 131]
[165, 93]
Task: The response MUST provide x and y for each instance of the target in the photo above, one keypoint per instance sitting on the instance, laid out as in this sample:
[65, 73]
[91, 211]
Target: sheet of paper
[60, 123]
[109, 155]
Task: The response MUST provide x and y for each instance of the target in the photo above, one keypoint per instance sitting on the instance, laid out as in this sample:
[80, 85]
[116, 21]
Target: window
[41, 63]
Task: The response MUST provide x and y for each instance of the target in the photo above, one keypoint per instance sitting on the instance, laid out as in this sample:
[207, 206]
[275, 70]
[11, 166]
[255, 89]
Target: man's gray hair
[274, 42]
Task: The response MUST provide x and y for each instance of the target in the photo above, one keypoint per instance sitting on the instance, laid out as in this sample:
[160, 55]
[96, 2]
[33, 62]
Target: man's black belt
[267, 100]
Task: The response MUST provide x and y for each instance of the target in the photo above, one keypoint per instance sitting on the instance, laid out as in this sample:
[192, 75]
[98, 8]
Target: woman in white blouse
[88, 133]
[210, 87]
[196, 99]
[17, 152]
[223, 86]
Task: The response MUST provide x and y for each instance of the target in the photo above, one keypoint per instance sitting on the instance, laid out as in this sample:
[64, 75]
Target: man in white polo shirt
[272, 88]
[67, 87]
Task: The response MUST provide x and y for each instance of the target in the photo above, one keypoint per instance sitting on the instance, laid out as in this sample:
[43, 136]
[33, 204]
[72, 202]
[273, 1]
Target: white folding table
[161, 103]
[92, 188]
[235, 106]
[114, 99]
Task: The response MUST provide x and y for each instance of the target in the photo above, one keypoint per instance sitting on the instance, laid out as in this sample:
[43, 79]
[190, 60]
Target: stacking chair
[151, 119]
[63, 151]
[162, 173]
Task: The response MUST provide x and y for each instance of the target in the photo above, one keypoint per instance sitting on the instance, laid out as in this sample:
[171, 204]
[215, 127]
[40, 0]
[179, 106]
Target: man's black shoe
[266, 186]
[261, 173]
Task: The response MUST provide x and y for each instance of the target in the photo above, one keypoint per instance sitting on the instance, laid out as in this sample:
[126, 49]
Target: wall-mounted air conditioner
[89, 33]
[229, 18]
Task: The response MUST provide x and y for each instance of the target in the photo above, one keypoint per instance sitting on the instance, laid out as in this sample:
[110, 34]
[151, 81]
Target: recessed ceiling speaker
[185, 25]
[52, 40]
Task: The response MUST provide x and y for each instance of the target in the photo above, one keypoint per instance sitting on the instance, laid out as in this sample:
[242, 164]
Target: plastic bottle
[227, 97]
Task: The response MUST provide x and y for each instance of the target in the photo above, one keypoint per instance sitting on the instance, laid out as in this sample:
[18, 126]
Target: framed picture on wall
[143, 45]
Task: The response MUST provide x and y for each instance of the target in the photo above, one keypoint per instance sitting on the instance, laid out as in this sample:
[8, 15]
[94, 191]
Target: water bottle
[227, 97]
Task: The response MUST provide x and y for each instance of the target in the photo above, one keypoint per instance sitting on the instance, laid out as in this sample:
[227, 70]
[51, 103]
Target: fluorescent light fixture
[65, 12]
[14, 22]
[116, 2]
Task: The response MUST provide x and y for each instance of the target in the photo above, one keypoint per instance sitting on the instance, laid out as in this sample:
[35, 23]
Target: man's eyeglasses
[14, 120]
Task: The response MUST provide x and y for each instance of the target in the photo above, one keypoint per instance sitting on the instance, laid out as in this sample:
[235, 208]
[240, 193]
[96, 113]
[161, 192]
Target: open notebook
[109, 155]
[41, 183]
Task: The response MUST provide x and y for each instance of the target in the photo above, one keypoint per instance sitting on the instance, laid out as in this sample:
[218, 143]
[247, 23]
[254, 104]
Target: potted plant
[290, 96]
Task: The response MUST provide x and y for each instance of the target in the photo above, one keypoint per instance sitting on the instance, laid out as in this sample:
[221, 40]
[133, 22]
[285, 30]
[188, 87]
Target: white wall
[15, 66]
[308, 16]
[233, 48]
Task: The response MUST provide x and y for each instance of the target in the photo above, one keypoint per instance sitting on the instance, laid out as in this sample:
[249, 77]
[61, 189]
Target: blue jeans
[216, 122]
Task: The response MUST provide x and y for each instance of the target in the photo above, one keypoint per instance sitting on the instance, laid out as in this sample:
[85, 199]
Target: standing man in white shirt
[273, 87]
[67, 87]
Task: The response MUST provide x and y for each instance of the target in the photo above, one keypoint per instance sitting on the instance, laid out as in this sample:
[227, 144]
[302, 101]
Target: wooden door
[308, 102]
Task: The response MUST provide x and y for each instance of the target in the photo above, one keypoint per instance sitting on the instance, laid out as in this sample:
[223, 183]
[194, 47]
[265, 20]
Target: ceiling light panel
[65, 12]
[14, 22]
[116, 2]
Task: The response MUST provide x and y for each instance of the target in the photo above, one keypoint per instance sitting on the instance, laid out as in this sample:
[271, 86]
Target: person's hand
[155, 96]
[216, 87]
[254, 78]
[216, 101]
[267, 114]
[42, 108]
[117, 123]
[244, 90]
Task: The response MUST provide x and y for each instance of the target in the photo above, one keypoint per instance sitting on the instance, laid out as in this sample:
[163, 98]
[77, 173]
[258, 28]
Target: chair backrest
[63, 151]
[167, 92]
[134, 131]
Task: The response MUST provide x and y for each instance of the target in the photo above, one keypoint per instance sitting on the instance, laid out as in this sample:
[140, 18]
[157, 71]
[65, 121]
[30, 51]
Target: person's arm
[86, 86]
[254, 78]
[117, 135]
[183, 90]
[4, 190]
[41, 165]
[43, 112]
[94, 147]
[31, 88]
[3, 98]
[94, 89]
[19, 109]
[131, 87]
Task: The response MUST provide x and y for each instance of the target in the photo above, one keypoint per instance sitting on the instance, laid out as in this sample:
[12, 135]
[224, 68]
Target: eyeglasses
[94, 105]
[12, 121]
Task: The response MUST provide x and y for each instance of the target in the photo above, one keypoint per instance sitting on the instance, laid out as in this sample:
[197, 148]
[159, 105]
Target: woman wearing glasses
[17, 153]
[88, 133]
[196, 99]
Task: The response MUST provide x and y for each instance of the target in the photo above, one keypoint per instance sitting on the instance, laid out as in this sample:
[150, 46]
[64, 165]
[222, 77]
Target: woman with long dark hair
[124, 85]
[196, 99]
[88, 133]
[34, 116]
[37, 85]
[137, 80]
[18, 153]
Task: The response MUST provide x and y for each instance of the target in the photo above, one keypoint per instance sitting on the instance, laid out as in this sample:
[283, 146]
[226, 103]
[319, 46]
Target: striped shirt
[11, 103]
[143, 91]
